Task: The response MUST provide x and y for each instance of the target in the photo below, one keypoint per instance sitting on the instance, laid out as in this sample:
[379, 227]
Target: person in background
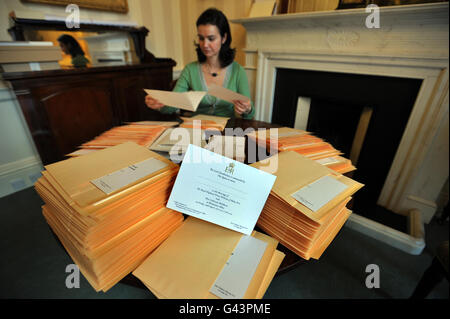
[215, 65]
[71, 46]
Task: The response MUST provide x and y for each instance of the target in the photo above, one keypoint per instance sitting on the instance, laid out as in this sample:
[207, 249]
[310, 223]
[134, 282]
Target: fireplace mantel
[346, 31]
[412, 42]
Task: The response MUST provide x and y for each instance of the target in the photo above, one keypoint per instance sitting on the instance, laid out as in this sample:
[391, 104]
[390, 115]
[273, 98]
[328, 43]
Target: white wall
[20, 164]
[162, 18]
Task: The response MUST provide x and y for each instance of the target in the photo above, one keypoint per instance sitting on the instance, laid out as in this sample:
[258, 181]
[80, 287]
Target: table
[291, 260]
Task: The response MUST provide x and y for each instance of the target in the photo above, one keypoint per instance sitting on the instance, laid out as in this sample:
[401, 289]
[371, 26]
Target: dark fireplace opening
[338, 104]
[340, 124]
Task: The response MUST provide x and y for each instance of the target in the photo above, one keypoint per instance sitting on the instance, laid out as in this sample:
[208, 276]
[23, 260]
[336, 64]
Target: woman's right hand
[153, 103]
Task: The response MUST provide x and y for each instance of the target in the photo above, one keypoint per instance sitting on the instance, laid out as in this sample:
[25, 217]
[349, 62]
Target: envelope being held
[184, 100]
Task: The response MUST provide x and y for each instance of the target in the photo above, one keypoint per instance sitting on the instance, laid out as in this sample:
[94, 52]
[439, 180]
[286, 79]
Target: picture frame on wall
[119, 6]
[349, 4]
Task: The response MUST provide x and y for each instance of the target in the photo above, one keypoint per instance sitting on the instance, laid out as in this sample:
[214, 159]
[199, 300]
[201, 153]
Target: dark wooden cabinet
[65, 108]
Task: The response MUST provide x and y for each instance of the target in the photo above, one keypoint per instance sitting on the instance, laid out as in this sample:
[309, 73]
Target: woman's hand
[242, 107]
[153, 103]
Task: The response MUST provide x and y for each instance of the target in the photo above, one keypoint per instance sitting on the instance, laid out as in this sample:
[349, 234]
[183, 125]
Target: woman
[215, 65]
[70, 46]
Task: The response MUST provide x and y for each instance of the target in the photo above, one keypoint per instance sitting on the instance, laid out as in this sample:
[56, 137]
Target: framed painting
[120, 6]
[348, 4]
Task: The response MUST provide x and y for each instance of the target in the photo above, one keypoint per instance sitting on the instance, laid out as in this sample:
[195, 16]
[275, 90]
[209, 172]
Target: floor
[33, 264]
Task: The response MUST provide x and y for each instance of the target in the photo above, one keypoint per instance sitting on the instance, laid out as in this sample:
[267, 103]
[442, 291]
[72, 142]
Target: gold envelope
[326, 237]
[261, 270]
[97, 210]
[207, 122]
[74, 175]
[187, 264]
[106, 270]
[272, 269]
[107, 222]
[263, 135]
[156, 123]
[274, 264]
[296, 171]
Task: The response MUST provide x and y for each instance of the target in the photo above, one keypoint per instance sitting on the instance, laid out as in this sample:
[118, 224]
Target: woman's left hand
[242, 107]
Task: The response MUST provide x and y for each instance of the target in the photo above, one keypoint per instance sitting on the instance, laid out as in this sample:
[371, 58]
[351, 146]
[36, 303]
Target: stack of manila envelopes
[337, 163]
[205, 122]
[196, 262]
[304, 143]
[155, 123]
[306, 207]
[108, 209]
[141, 134]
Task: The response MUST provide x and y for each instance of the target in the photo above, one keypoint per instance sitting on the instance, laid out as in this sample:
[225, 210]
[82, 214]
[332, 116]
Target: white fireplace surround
[412, 42]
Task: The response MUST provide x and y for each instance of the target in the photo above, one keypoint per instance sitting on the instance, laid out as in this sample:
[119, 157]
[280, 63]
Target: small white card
[127, 175]
[233, 281]
[319, 192]
[220, 190]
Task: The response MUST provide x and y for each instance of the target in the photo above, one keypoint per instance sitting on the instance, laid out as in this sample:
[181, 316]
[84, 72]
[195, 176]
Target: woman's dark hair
[216, 17]
[72, 45]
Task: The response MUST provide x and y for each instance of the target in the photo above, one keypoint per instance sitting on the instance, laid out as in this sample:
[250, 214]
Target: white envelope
[191, 99]
[184, 100]
[225, 94]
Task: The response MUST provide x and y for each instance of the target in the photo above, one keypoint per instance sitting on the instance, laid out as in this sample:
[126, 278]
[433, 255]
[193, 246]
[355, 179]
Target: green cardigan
[191, 79]
[80, 61]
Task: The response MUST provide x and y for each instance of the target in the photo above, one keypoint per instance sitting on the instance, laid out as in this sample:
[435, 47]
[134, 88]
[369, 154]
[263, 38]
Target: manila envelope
[187, 264]
[296, 171]
[74, 175]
